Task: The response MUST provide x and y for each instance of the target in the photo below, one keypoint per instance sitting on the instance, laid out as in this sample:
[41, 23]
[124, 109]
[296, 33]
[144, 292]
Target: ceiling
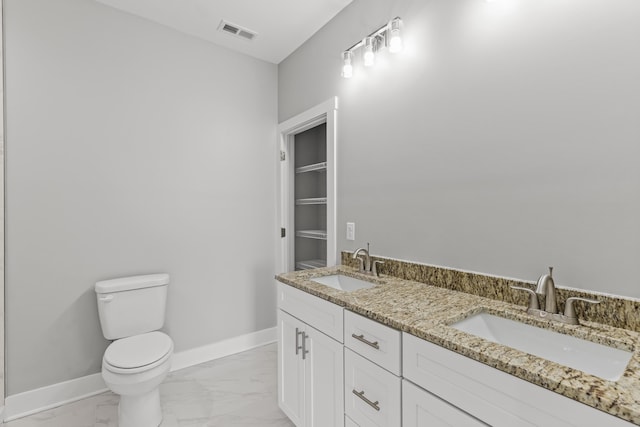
[281, 25]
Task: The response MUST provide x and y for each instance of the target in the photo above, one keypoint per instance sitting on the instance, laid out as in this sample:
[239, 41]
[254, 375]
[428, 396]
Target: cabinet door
[324, 375]
[290, 368]
[422, 409]
[348, 422]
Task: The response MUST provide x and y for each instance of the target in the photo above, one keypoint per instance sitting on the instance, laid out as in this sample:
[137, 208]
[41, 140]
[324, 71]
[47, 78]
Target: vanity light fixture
[386, 36]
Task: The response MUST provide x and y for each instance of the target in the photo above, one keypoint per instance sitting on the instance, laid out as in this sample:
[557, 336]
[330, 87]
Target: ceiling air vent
[236, 30]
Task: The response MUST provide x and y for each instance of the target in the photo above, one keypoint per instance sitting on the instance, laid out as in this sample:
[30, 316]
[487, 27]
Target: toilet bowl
[131, 310]
[134, 368]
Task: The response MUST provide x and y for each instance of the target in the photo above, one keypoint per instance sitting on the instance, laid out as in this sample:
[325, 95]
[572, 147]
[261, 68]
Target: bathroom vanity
[388, 355]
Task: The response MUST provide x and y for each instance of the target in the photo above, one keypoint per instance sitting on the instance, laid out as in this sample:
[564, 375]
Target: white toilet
[131, 311]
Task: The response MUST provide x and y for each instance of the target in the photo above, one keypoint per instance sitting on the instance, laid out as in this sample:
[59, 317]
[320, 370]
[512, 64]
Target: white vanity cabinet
[310, 359]
[490, 395]
[340, 369]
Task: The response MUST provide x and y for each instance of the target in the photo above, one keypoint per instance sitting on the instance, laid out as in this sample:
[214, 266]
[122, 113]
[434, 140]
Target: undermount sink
[596, 359]
[343, 283]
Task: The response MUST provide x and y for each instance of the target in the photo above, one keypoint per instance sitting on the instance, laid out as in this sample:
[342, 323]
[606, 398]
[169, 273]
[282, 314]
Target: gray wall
[503, 140]
[131, 149]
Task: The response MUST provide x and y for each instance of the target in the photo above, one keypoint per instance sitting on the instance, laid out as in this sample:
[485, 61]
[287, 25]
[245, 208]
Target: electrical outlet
[351, 231]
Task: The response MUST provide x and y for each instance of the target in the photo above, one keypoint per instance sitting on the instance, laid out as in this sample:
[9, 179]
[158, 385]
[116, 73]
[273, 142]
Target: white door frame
[2, 222]
[325, 112]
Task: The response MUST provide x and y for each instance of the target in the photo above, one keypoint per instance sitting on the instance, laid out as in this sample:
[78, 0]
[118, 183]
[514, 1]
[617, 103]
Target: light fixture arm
[379, 35]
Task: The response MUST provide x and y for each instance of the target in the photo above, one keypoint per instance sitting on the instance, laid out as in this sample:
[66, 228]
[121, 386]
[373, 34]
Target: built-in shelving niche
[306, 157]
[310, 192]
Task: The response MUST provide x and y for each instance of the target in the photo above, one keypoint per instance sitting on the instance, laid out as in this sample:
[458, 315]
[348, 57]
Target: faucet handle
[360, 264]
[569, 310]
[533, 297]
[374, 267]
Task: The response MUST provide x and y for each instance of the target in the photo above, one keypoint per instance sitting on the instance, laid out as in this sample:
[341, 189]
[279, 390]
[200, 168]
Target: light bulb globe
[347, 71]
[395, 43]
[369, 56]
[347, 68]
[395, 39]
[369, 59]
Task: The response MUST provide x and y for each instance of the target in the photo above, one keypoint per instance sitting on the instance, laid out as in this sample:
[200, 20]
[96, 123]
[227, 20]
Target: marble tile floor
[235, 391]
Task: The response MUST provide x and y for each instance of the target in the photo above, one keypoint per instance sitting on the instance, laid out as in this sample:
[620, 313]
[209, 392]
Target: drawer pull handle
[361, 338]
[360, 394]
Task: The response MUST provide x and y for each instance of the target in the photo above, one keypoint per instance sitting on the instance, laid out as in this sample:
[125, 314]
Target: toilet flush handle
[106, 298]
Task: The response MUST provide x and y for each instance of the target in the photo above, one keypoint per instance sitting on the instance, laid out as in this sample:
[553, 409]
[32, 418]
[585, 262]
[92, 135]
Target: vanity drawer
[321, 314]
[421, 409]
[371, 394]
[375, 341]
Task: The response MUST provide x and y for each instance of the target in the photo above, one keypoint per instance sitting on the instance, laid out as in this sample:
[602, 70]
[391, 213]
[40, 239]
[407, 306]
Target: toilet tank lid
[132, 282]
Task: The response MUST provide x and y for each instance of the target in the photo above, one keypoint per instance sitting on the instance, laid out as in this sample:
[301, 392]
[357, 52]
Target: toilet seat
[138, 353]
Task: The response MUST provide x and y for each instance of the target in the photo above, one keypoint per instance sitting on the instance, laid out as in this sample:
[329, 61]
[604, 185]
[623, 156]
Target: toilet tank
[132, 305]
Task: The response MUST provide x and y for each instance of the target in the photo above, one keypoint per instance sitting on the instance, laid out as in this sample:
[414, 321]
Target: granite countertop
[426, 311]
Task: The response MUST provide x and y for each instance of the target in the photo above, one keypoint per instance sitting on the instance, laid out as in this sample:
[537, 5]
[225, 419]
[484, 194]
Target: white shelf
[312, 201]
[316, 167]
[312, 234]
[311, 263]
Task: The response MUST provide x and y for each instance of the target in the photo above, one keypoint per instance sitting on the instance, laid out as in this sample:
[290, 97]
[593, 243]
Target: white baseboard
[33, 401]
[198, 355]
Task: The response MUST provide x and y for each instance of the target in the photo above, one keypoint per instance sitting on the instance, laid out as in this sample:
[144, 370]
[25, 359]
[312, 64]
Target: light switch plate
[351, 231]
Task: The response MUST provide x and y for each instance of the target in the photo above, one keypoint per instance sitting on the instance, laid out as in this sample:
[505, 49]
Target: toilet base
[142, 410]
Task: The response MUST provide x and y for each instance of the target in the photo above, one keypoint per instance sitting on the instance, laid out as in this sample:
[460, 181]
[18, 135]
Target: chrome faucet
[365, 263]
[547, 288]
[366, 266]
